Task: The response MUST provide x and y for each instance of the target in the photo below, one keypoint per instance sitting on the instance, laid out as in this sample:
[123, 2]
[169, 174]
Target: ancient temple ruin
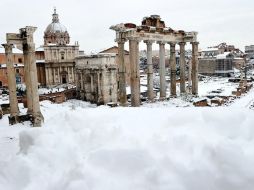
[154, 30]
[25, 39]
[96, 78]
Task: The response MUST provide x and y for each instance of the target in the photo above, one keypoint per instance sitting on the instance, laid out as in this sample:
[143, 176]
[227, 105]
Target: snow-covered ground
[170, 147]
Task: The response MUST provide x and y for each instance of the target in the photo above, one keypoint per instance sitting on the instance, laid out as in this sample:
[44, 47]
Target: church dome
[56, 33]
[55, 27]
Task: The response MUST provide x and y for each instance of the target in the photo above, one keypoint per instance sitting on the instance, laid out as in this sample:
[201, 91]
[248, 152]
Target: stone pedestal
[135, 75]
[122, 73]
[162, 70]
[14, 110]
[182, 67]
[150, 92]
[172, 70]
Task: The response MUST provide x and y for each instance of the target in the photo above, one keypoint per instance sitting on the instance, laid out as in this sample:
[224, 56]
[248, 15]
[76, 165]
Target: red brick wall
[18, 58]
[3, 75]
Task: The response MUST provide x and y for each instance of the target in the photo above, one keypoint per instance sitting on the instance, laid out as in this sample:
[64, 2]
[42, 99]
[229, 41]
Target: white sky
[88, 22]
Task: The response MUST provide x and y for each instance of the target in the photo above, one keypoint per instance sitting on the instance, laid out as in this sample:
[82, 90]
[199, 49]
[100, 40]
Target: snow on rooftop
[210, 49]
[40, 61]
[223, 56]
[40, 49]
[15, 65]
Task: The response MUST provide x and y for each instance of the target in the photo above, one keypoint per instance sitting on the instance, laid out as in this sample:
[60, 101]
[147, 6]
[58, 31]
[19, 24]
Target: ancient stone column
[99, 88]
[162, 70]
[182, 67]
[82, 94]
[149, 71]
[194, 75]
[135, 75]
[189, 76]
[172, 69]
[28, 79]
[32, 82]
[14, 110]
[122, 73]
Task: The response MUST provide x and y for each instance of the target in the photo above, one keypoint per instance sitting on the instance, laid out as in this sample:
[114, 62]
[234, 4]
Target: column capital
[121, 40]
[194, 43]
[148, 42]
[172, 44]
[29, 30]
[182, 43]
[161, 42]
[134, 39]
[8, 47]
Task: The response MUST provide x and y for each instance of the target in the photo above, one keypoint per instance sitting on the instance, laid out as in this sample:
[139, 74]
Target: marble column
[162, 70]
[14, 110]
[189, 76]
[82, 94]
[99, 88]
[172, 69]
[27, 79]
[33, 82]
[182, 67]
[135, 75]
[194, 68]
[149, 71]
[122, 73]
[46, 73]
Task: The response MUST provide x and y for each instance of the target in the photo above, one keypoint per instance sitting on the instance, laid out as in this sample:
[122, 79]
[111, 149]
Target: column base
[13, 120]
[162, 98]
[124, 104]
[173, 96]
[37, 119]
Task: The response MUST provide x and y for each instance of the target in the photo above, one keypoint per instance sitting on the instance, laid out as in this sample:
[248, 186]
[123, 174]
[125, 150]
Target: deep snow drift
[81, 147]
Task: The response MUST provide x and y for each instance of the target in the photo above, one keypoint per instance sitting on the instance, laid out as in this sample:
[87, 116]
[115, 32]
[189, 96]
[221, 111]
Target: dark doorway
[64, 81]
[1, 84]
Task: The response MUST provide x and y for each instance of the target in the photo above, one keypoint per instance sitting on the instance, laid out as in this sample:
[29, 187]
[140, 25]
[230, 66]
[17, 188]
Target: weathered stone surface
[14, 110]
[97, 78]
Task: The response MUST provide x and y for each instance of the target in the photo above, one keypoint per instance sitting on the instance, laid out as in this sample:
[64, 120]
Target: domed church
[56, 33]
[59, 54]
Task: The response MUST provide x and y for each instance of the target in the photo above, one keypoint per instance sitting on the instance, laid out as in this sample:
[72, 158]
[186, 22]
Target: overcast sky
[88, 22]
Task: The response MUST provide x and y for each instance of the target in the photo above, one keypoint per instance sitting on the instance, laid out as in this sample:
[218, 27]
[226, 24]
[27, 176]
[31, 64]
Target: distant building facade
[96, 78]
[220, 60]
[249, 50]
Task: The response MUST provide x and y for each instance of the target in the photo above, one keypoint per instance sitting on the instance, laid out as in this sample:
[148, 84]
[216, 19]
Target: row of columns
[31, 79]
[135, 76]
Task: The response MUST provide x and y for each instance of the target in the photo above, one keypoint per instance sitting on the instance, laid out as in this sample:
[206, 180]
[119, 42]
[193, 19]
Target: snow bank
[132, 148]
